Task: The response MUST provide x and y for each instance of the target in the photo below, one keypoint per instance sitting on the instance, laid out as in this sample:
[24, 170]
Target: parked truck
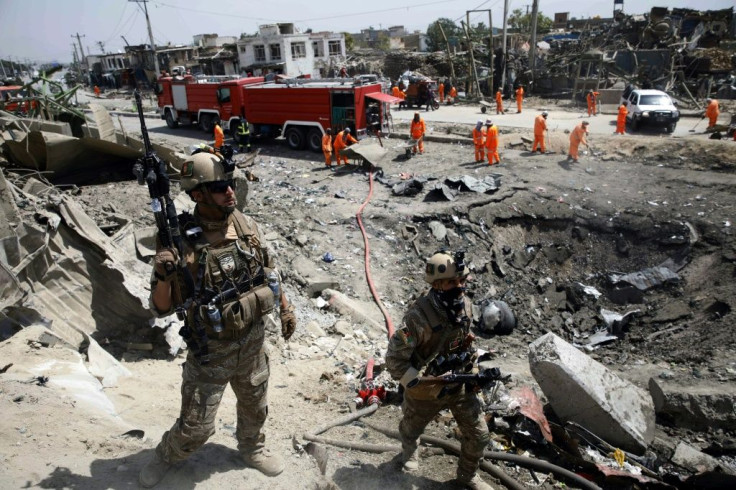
[187, 100]
[301, 109]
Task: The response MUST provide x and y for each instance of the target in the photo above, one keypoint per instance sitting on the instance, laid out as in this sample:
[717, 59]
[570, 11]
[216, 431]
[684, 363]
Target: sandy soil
[623, 208]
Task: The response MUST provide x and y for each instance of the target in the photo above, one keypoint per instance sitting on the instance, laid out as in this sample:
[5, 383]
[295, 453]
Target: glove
[165, 264]
[288, 322]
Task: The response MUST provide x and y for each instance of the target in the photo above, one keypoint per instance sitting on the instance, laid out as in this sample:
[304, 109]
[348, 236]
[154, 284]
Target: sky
[43, 30]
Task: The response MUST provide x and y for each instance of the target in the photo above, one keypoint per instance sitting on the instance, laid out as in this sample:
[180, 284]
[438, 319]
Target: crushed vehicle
[651, 108]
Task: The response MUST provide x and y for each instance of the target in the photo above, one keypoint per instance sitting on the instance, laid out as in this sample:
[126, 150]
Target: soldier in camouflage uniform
[223, 250]
[438, 324]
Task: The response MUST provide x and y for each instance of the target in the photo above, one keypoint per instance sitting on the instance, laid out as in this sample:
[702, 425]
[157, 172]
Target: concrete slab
[695, 407]
[311, 277]
[584, 391]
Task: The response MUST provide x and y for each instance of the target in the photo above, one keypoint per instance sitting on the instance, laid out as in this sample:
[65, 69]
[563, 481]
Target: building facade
[280, 48]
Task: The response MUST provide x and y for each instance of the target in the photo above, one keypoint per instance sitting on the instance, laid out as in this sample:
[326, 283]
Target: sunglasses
[221, 187]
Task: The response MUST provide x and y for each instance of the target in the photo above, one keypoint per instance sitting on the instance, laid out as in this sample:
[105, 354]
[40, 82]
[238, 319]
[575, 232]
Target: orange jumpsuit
[97, 91]
[417, 131]
[395, 91]
[479, 140]
[327, 148]
[576, 137]
[219, 137]
[441, 92]
[540, 126]
[621, 119]
[592, 98]
[712, 112]
[492, 144]
[499, 102]
[453, 94]
[341, 141]
[519, 98]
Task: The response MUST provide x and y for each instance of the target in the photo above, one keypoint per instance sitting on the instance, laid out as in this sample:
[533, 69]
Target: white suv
[651, 107]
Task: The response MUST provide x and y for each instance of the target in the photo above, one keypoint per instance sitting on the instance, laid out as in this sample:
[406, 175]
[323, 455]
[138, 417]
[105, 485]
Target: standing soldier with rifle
[212, 269]
[437, 328]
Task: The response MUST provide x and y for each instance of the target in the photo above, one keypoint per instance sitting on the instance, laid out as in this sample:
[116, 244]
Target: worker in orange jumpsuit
[453, 95]
[492, 143]
[519, 98]
[97, 91]
[712, 112]
[342, 141]
[402, 96]
[540, 127]
[592, 99]
[395, 91]
[219, 136]
[441, 92]
[416, 131]
[499, 102]
[327, 147]
[623, 111]
[479, 140]
[577, 136]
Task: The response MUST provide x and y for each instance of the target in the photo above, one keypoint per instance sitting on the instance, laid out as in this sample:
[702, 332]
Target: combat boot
[475, 483]
[410, 458]
[153, 472]
[264, 461]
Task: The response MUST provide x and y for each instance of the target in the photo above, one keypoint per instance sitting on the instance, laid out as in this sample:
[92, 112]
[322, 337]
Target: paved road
[558, 120]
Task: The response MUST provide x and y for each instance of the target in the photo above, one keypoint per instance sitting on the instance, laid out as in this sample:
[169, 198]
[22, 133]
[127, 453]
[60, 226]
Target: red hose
[389, 322]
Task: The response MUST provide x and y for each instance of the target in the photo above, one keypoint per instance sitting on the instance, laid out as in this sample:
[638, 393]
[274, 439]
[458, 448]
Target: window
[335, 48]
[242, 49]
[223, 95]
[298, 50]
[259, 52]
[275, 51]
[317, 49]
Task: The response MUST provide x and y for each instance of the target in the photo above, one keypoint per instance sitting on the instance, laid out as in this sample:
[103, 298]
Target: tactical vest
[235, 270]
[446, 339]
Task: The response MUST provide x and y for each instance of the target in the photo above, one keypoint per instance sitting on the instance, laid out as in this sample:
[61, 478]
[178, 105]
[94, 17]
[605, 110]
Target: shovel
[696, 124]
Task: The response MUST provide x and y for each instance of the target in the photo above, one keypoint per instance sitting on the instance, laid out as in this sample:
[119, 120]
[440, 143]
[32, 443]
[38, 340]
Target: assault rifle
[151, 170]
[439, 386]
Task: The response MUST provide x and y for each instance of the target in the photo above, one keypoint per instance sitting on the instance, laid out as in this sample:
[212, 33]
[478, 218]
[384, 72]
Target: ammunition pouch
[242, 314]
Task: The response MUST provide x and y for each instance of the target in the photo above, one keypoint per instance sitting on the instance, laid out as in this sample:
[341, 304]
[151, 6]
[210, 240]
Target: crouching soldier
[438, 325]
[220, 285]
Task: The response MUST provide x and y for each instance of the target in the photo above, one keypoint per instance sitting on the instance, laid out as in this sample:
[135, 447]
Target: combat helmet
[444, 265]
[201, 168]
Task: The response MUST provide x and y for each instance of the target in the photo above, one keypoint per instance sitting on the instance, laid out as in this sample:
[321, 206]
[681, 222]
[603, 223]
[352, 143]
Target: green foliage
[435, 41]
[383, 42]
[523, 22]
[349, 42]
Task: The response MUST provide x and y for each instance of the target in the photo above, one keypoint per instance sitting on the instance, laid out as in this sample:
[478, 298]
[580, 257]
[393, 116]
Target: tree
[523, 22]
[435, 41]
[349, 42]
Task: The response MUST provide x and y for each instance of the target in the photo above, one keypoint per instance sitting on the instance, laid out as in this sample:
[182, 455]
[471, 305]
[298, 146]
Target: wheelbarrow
[409, 147]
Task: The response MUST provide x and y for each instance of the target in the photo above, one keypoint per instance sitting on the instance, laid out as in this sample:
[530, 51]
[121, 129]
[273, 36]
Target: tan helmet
[201, 168]
[443, 265]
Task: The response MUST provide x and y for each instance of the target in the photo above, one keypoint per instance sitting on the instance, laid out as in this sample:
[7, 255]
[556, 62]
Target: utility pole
[533, 47]
[473, 71]
[102, 46]
[81, 57]
[150, 35]
[490, 47]
[503, 65]
[5, 75]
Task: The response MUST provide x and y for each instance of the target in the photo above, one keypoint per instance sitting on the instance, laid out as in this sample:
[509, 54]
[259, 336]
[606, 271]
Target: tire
[314, 140]
[295, 138]
[483, 109]
[671, 128]
[634, 124]
[170, 121]
[207, 123]
[435, 105]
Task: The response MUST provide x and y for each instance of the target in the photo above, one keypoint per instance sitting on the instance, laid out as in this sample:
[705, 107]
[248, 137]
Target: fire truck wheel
[314, 140]
[170, 121]
[295, 138]
[206, 123]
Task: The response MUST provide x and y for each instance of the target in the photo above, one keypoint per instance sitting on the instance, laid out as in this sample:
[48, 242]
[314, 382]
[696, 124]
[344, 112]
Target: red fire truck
[300, 109]
[184, 100]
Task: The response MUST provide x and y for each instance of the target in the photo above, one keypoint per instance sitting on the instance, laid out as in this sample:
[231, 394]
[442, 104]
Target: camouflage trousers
[466, 408]
[245, 367]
